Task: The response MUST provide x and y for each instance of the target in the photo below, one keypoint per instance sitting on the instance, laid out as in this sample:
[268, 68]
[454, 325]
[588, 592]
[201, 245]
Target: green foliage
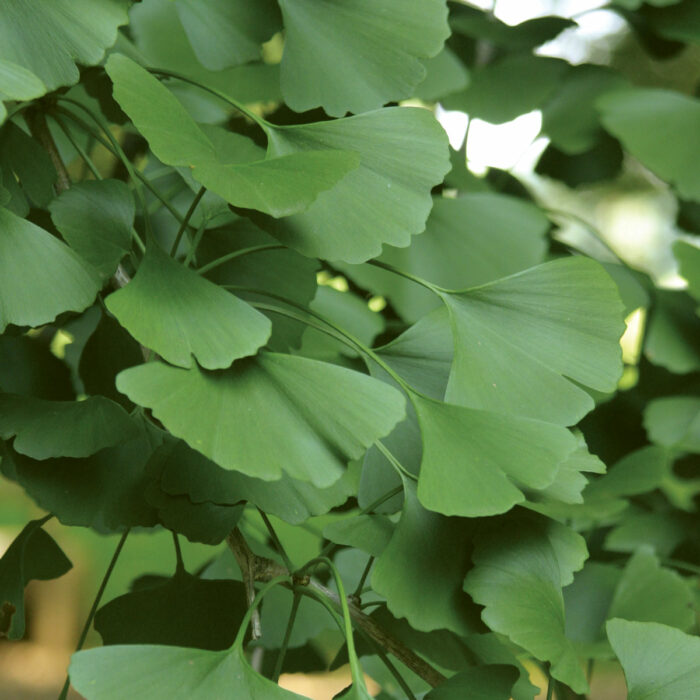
[250, 296]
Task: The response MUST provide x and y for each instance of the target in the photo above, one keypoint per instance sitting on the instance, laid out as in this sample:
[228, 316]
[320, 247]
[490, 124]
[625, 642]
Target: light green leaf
[17, 83]
[48, 37]
[385, 200]
[370, 533]
[503, 235]
[427, 552]
[270, 415]
[660, 532]
[95, 218]
[476, 462]
[40, 277]
[445, 74]
[189, 473]
[477, 683]
[518, 341]
[182, 316]
[518, 577]
[674, 422]
[647, 592]
[638, 472]
[45, 429]
[688, 256]
[32, 555]
[230, 33]
[355, 56]
[634, 115]
[169, 673]
[276, 186]
[660, 662]
[510, 86]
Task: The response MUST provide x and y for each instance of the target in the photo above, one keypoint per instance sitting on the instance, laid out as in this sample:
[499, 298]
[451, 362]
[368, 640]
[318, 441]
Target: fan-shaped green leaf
[48, 37]
[17, 83]
[688, 256]
[385, 200]
[660, 662]
[445, 74]
[96, 218]
[518, 577]
[674, 422]
[477, 683]
[184, 611]
[427, 552]
[276, 186]
[354, 55]
[145, 672]
[45, 429]
[32, 555]
[519, 340]
[476, 462]
[226, 34]
[634, 115]
[40, 277]
[270, 415]
[182, 316]
[510, 86]
[370, 533]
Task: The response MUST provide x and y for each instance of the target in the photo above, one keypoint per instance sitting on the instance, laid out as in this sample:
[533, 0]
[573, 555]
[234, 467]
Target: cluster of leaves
[444, 458]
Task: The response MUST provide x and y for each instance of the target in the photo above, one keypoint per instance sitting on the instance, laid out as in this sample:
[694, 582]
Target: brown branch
[262, 569]
[39, 129]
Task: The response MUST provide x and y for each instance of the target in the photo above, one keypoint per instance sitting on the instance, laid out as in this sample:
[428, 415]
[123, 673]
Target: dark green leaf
[45, 429]
[95, 219]
[370, 533]
[478, 683]
[32, 555]
[184, 612]
[352, 56]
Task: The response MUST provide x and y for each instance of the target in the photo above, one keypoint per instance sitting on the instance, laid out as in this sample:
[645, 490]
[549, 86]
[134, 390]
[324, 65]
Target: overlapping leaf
[95, 218]
[183, 316]
[40, 277]
[519, 572]
[354, 55]
[478, 683]
[674, 422]
[45, 429]
[32, 555]
[276, 186]
[17, 83]
[270, 415]
[518, 341]
[385, 200]
[660, 662]
[634, 115]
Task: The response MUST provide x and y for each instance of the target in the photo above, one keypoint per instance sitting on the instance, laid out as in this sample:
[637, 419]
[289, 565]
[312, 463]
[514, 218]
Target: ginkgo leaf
[385, 200]
[660, 662]
[276, 186]
[674, 422]
[478, 683]
[183, 611]
[477, 462]
[32, 555]
[518, 575]
[370, 533]
[688, 256]
[40, 277]
[427, 551]
[95, 218]
[634, 115]
[46, 429]
[270, 415]
[17, 83]
[355, 56]
[230, 33]
[189, 473]
[151, 672]
[518, 341]
[68, 32]
[182, 316]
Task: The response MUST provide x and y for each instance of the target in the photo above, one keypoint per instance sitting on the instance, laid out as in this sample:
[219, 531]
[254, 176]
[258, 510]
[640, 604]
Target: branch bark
[262, 569]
